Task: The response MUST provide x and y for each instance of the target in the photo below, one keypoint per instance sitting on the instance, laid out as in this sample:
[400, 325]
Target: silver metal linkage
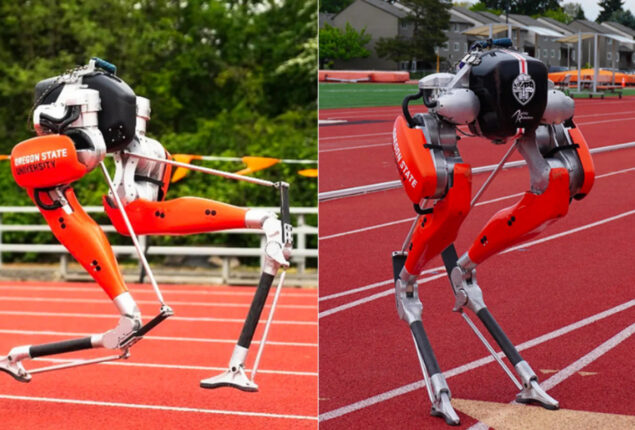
[261, 347]
[205, 170]
[490, 349]
[125, 354]
[499, 166]
[133, 236]
[426, 377]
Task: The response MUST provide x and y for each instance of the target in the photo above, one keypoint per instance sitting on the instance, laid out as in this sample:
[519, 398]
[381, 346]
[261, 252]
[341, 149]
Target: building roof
[396, 9]
[325, 18]
[554, 23]
[474, 16]
[619, 27]
[526, 20]
[491, 16]
[587, 26]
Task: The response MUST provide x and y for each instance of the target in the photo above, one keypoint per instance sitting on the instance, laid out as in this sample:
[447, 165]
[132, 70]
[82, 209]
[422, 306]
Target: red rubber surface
[366, 351]
[158, 386]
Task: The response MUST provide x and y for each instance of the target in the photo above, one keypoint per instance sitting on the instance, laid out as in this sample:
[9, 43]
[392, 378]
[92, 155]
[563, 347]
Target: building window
[545, 53]
[610, 42]
[553, 53]
[403, 24]
[456, 46]
[446, 45]
[608, 56]
[573, 55]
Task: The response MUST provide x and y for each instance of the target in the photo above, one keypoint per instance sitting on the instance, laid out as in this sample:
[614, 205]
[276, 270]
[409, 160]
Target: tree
[429, 18]
[624, 17]
[338, 44]
[557, 14]
[396, 49]
[524, 7]
[608, 7]
[574, 11]
[334, 6]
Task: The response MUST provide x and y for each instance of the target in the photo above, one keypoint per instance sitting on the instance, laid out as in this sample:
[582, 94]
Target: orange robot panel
[525, 219]
[586, 160]
[46, 161]
[414, 161]
[440, 228]
[184, 215]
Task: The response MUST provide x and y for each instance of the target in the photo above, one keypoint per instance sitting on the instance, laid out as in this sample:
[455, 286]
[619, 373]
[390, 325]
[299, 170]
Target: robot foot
[536, 395]
[14, 368]
[442, 408]
[234, 377]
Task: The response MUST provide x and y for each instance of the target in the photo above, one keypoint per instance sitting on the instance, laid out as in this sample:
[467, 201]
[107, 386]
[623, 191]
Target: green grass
[333, 96]
[625, 92]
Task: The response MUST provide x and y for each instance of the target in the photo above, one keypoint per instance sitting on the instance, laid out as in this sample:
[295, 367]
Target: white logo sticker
[523, 88]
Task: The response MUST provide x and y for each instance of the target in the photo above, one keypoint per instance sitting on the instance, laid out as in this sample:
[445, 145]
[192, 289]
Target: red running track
[158, 386]
[358, 152]
[577, 272]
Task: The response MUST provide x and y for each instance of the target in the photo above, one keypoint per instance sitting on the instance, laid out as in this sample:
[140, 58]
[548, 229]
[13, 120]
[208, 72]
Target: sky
[590, 7]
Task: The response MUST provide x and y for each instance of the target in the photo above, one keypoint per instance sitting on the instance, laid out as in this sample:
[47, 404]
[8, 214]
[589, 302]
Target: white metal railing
[300, 252]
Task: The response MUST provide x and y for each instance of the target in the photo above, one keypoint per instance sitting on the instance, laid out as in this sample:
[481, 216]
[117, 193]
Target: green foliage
[225, 77]
[334, 6]
[429, 19]
[624, 17]
[395, 48]
[557, 14]
[338, 44]
[482, 7]
[524, 7]
[574, 11]
[608, 7]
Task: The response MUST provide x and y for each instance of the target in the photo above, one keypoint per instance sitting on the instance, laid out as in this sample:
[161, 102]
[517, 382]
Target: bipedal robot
[504, 96]
[79, 117]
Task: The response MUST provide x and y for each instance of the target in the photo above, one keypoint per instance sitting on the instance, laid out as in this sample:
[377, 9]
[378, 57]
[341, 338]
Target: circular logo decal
[523, 88]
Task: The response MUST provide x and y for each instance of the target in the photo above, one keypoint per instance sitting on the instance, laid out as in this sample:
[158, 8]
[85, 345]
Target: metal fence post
[301, 244]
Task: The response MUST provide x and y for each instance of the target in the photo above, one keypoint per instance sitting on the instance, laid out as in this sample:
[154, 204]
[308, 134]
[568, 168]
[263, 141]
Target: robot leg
[556, 176]
[80, 235]
[435, 229]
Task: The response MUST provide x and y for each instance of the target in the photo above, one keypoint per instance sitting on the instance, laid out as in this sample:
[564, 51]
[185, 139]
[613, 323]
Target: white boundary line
[156, 407]
[486, 202]
[577, 365]
[389, 185]
[472, 365]
[172, 318]
[589, 358]
[513, 248]
[6, 285]
[161, 338]
[349, 148]
[177, 366]
[144, 302]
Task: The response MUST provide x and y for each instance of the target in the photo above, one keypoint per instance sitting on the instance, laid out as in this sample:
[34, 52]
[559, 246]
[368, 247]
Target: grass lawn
[333, 96]
[345, 95]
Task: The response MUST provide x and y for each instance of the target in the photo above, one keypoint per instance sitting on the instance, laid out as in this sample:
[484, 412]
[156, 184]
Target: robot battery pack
[414, 161]
[46, 161]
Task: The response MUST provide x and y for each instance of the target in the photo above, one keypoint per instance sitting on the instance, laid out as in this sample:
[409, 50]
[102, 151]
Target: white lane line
[371, 298]
[433, 270]
[355, 135]
[178, 366]
[524, 245]
[144, 302]
[577, 365]
[617, 172]
[589, 358]
[605, 121]
[388, 224]
[156, 407]
[485, 202]
[163, 338]
[472, 365]
[147, 318]
[96, 289]
[348, 148]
